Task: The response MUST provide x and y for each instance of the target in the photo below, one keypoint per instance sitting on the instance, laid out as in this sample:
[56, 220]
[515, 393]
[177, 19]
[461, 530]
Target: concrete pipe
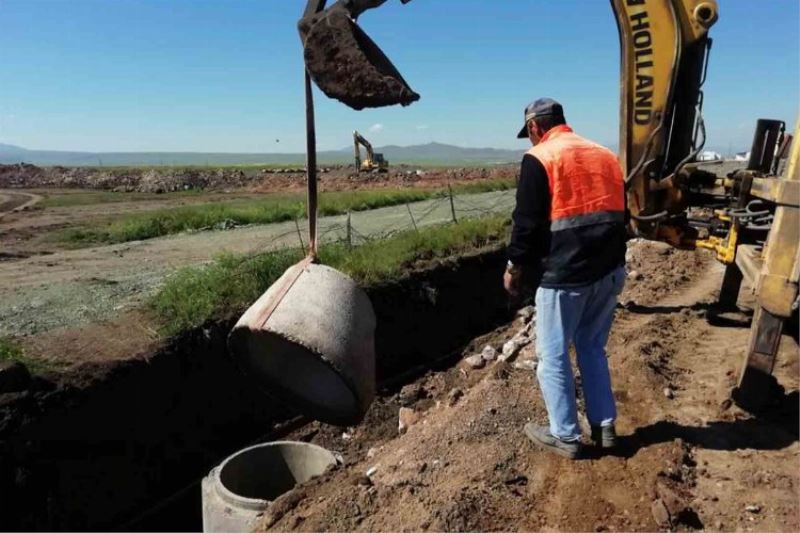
[310, 339]
[237, 492]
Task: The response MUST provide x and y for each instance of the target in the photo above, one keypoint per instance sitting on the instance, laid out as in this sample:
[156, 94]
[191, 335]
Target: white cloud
[376, 128]
[423, 127]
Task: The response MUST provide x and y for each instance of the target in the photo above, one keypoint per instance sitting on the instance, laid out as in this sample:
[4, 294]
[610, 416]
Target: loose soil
[347, 65]
[688, 459]
[173, 179]
[94, 450]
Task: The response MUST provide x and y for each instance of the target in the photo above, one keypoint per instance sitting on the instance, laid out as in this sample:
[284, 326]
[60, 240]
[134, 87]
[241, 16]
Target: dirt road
[11, 201]
[66, 288]
[688, 459]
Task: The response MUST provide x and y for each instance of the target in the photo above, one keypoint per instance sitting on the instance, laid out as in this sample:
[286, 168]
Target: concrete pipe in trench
[238, 491]
[310, 340]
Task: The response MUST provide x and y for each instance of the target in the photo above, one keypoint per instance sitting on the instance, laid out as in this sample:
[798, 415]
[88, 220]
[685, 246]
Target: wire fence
[359, 227]
[356, 228]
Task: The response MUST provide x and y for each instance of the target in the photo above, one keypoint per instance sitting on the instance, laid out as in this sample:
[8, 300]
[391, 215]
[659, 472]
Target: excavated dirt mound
[167, 179]
[688, 459]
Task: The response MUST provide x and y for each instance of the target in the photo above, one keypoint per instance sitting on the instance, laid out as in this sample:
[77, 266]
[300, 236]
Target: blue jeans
[583, 316]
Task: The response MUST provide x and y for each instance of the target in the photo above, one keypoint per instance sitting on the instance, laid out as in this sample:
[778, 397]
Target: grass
[195, 295]
[10, 351]
[106, 197]
[270, 209]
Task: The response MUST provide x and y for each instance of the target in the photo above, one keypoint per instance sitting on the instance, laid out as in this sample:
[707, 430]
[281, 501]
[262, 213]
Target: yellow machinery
[749, 218]
[373, 162]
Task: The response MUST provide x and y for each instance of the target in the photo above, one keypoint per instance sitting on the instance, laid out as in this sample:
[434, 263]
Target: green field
[195, 295]
[269, 209]
[74, 199]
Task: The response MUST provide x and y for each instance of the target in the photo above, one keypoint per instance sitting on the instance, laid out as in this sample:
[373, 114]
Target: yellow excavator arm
[664, 47]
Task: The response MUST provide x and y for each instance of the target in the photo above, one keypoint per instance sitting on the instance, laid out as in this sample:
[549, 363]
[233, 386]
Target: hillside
[432, 153]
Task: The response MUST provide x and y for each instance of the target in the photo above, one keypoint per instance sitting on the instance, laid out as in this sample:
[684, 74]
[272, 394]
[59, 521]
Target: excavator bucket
[347, 65]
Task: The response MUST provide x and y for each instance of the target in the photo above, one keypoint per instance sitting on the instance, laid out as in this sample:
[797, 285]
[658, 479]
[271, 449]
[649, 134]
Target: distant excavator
[373, 162]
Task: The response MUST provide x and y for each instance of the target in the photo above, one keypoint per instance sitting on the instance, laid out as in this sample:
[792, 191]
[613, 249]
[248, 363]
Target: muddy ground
[688, 458]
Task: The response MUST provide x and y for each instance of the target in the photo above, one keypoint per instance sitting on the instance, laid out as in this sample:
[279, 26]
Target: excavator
[749, 218]
[373, 162]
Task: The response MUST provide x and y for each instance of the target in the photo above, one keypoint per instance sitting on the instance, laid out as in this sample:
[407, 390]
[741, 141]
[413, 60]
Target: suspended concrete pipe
[238, 491]
[310, 339]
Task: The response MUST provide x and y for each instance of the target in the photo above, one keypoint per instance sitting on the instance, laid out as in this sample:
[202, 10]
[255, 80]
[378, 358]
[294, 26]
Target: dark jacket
[569, 257]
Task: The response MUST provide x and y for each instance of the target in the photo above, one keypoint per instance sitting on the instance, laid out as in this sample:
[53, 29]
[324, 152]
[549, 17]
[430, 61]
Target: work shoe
[541, 436]
[604, 436]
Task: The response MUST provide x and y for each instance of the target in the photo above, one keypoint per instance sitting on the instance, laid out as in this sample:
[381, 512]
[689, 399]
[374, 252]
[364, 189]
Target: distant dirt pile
[153, 180]
[171, 179]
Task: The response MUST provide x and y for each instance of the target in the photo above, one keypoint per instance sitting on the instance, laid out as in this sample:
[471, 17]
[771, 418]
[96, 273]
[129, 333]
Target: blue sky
[214, 75]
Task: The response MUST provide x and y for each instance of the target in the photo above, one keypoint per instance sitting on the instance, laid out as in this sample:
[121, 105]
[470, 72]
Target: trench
[129, 452]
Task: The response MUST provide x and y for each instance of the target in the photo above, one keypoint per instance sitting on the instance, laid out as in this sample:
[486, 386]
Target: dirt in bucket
[348, 66]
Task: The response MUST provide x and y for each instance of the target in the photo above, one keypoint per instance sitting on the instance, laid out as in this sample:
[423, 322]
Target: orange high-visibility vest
[586, 182]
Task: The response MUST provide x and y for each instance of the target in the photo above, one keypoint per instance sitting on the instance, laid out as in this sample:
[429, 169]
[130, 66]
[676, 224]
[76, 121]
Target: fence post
[300, 237]
[349, 232]
[452, 205]
[410, 214]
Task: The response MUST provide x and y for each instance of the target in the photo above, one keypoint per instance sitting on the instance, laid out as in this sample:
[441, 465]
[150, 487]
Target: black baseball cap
[542, 106]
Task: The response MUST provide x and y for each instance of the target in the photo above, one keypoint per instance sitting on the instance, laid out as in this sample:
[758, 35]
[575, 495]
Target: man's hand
[511, 280]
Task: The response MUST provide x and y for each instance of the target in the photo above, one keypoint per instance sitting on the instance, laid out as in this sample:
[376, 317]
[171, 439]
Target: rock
[510, 349]
[753, 509]
[522, 338]
[527, 313]
[411, 393]
[668, 393]
[660, 513]
[635, 275]
[14, 377]
[475, 361]
[453, 396]
[364, 481]
[406, 418]
[489, 353]
[526, 364]
[371, 471]
[346, 436]
[372, 452]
